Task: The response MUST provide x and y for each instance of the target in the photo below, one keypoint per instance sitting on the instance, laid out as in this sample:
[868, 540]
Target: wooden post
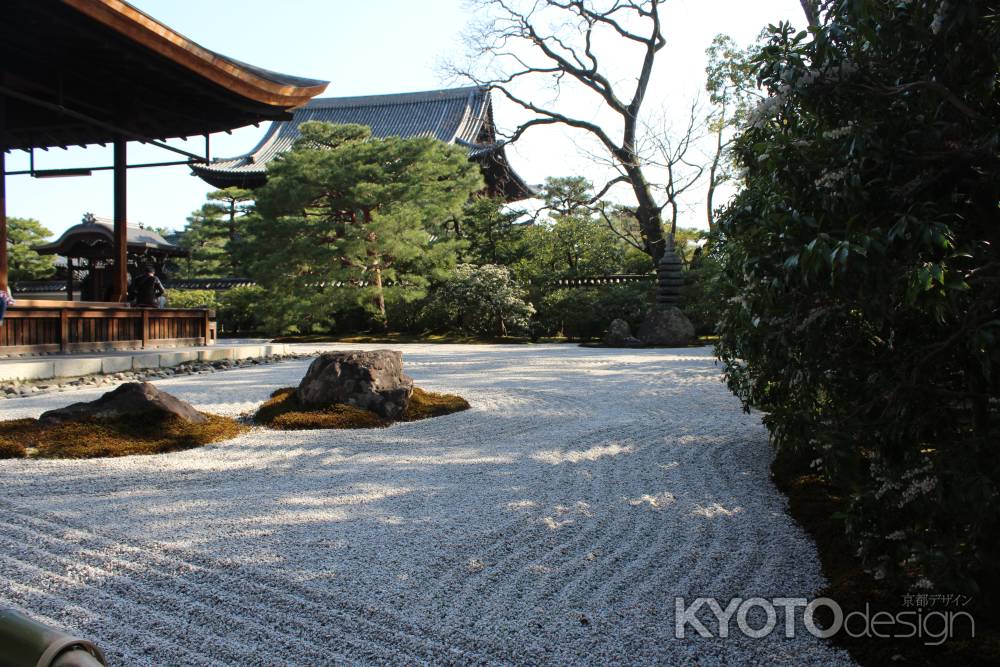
[120, 286]
[205, 328]
[3, 194]
[69, 280]
[145, 327]
[63, 330]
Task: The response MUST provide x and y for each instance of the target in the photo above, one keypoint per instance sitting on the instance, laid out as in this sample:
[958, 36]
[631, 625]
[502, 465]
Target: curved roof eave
[254, 83]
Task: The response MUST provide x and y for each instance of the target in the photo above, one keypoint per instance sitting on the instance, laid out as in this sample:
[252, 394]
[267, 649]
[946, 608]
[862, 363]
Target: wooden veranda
[46, 327]
[82, 72]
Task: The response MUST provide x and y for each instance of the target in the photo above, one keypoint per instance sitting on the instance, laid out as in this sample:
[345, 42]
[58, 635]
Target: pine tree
[25, 263]
[213, 234]
[344, 209]
[205, 237]
[235, 201]
[494, 235]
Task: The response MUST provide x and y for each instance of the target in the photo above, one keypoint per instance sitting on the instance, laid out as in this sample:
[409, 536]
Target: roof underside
[109, 62]
[460, 116]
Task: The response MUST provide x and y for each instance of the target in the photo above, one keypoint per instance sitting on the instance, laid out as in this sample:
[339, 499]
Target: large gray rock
[133, 399]
[620, 335]
[369, 380]
[666, 325]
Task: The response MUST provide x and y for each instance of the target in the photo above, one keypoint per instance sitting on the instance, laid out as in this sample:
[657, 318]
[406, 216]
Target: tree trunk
[647, 213]
[710, 199]
[811, 9]
[232, 237]
[380, 295]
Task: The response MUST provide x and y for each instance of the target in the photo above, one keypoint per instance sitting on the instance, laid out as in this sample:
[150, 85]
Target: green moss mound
[95, 438]
[12, 446]
[283, 411]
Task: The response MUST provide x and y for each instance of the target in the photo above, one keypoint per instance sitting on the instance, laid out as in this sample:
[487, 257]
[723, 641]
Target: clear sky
[370, 47]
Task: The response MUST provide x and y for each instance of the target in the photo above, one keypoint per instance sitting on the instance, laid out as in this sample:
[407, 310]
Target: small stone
[620, 335]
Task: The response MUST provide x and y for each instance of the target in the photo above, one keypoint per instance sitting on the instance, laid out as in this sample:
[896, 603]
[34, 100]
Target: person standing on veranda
[147, 289]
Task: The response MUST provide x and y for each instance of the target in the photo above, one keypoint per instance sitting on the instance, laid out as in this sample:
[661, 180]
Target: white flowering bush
[863, 279]
[483, 300]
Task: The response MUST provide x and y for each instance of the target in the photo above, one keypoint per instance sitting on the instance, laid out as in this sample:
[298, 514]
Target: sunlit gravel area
[554, 523]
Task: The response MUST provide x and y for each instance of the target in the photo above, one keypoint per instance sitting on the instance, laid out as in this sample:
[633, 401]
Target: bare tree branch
[521, 44]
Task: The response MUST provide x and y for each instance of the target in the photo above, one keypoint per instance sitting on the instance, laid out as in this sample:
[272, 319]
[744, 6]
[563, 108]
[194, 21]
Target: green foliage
[586, 313]
[240, 308]
[864, 315]
[191, 298]
[237, 310]
[731, 83]
[23, 262]
[404, 308]
[212, 235]
[205, 238]
[344, 208]
[482, 300]
[704, 296]
[573, 240]
[493, 234]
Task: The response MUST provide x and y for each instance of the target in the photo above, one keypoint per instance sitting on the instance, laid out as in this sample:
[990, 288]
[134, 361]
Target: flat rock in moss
[130, 399]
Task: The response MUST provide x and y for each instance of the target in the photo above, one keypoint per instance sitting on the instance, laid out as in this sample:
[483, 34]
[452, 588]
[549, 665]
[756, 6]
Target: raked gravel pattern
[553, 523]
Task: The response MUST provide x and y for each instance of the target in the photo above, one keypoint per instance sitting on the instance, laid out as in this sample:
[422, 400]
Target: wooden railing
[38, 327]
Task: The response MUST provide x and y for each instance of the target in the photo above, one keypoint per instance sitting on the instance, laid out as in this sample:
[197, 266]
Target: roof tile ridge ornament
[251, 82]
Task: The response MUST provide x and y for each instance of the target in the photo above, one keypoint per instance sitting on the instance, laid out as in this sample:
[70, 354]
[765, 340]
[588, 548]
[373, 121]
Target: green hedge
[863, 313]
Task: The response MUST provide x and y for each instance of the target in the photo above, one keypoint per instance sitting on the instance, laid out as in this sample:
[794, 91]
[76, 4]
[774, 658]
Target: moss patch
[112, 437]
[283, 411]
[815, 505]
[425, 404]
[11, 445]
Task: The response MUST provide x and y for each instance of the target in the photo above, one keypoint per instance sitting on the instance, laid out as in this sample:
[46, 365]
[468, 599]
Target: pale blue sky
[377, 46]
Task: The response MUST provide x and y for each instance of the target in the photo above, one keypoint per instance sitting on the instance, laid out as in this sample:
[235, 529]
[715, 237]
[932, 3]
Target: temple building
[84, 72]
[461, 116]
[89, 247]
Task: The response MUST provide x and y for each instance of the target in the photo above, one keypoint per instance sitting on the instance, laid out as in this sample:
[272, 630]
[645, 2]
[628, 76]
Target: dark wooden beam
[3, 195]
[120, 286]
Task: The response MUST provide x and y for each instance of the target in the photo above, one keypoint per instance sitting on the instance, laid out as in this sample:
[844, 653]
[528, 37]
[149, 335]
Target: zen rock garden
[356, 389]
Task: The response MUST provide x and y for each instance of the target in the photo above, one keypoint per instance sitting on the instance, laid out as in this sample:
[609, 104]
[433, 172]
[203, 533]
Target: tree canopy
[212, 234]
[23, 262]
[346, 208]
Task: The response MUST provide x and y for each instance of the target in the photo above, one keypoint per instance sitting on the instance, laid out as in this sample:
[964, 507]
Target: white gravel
[554, 523]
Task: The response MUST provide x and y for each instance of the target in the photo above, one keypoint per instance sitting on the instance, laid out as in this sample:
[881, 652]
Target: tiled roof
[460, 116]
[101, 230]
